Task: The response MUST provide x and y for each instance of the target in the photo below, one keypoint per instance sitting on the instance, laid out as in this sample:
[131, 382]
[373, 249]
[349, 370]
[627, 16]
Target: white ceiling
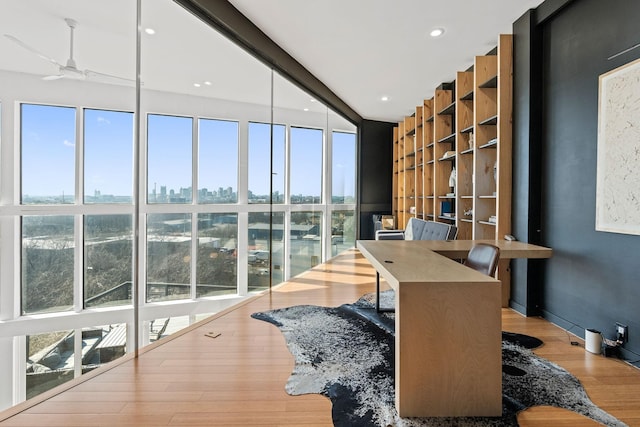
[365, 49]
[361, 49]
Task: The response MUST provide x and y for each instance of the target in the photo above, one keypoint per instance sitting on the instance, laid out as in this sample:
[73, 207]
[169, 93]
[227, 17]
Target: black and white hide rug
[347, 354]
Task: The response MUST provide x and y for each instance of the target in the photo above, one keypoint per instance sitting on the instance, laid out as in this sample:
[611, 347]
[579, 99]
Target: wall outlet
[622, 333]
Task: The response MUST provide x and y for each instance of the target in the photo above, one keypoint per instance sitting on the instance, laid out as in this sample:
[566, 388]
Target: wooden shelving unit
[470, 119]
[465, 130]
[486, 107]
[418, 208]
[444, 137]
[429, 159]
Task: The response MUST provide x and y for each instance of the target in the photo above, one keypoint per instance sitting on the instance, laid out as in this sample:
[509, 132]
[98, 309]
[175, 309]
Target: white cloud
[102, 120]
[68, 143]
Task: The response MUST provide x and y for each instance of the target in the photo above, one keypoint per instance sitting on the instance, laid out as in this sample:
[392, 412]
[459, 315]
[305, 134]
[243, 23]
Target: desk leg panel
[448, 349]
[504, 275]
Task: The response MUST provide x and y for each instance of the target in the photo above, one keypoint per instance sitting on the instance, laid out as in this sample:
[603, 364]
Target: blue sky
[49, 144]
[108, 152]
[344, 164]
[306, 161]
[48, 150]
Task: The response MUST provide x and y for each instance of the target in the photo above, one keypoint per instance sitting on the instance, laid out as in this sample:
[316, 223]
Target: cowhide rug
[347, 354]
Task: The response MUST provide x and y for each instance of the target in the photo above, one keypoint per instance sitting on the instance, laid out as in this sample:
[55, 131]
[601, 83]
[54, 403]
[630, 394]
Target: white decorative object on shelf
[448, 155]
[452, 180]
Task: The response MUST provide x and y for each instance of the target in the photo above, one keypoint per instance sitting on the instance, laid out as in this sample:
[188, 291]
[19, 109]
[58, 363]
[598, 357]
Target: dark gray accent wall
[592, 280]
[525, 223]
[376, 169]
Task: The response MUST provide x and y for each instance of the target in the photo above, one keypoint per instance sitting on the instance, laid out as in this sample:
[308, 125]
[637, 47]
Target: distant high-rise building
[202, 194]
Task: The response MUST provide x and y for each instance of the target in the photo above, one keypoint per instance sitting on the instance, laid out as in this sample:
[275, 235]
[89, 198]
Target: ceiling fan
[70, 69]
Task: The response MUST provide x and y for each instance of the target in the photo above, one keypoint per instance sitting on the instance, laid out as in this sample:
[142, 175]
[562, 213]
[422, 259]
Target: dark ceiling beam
[228, 20]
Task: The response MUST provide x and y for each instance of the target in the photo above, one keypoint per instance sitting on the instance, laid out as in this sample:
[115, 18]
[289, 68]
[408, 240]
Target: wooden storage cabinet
[466, 125]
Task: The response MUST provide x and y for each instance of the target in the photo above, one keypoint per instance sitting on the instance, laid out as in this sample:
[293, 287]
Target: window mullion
[78, 252]
[194, 255]
[79, 184]
[195, 199]
[78, 280]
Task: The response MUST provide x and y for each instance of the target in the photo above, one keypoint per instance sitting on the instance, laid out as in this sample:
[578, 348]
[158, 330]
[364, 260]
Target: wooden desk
[458, 249]
[448, 331]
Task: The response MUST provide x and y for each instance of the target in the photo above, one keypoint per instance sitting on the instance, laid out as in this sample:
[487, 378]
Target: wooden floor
[238, 378]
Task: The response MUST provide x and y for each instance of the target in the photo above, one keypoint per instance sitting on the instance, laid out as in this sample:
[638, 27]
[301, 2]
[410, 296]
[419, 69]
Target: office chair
[483, 258]
[417, 229]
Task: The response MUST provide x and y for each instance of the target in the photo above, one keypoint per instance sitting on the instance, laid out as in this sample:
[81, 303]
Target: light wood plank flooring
[238, 378]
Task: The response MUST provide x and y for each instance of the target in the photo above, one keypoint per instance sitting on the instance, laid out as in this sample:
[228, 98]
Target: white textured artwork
[618, 171]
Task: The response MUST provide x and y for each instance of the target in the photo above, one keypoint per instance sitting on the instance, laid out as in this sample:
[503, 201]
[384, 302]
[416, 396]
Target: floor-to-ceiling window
[343, 190]
[223, 177]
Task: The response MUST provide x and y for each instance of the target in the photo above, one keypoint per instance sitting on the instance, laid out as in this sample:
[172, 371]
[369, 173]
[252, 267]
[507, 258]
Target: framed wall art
[618, 162]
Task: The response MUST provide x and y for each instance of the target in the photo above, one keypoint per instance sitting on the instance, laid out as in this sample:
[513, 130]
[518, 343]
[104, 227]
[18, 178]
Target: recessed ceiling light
[436, 32]
[312, 100]
[196, 84]
[306, 109]
[149, 31]
[207, 83]
[384, 98]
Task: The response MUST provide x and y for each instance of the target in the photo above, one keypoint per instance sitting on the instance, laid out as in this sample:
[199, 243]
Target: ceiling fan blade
[70, 70]
[104, 76]
[53, 77]
[32, 50]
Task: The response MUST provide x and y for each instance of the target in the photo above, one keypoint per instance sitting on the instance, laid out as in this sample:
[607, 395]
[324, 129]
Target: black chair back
[483, 258]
